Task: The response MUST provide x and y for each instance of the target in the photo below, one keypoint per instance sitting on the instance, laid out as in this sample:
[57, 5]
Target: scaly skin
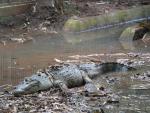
[67, 76]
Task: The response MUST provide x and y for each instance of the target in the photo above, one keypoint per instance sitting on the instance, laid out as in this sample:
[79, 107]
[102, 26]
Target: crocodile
[67, 76]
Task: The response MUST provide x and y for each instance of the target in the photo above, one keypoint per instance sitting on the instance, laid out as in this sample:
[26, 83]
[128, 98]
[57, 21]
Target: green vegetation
[79, 24]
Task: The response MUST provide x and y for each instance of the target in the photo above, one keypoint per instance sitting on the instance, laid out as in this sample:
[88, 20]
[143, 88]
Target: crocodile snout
[18, 92]
[26, 88]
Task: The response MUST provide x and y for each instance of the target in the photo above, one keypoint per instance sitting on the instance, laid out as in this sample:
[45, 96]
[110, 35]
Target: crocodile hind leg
[89, 84]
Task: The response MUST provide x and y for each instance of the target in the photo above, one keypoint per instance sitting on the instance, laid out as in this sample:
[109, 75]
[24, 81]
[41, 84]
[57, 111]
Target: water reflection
[18, 61]
[130, 100]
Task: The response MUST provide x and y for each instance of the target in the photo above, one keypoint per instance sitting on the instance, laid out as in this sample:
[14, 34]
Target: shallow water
[130, 100]
[20, 60]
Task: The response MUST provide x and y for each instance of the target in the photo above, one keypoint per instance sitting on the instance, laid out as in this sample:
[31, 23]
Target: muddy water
[131, 100]
[20, 60]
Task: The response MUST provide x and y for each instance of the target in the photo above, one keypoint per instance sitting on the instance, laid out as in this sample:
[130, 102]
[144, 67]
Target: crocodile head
[37, 82]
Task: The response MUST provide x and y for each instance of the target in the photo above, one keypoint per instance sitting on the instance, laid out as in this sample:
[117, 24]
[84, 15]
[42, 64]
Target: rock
[131, 34]
[146, 38]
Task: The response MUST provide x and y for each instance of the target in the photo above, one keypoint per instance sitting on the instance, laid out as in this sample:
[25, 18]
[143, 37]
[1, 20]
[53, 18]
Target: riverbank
[117, 92]
[46, 20]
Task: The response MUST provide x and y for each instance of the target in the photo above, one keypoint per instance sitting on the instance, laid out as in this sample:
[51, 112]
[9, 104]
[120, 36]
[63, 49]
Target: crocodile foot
[90, 87]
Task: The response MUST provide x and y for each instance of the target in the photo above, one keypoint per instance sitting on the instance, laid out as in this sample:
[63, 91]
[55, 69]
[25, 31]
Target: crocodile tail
[114, 67]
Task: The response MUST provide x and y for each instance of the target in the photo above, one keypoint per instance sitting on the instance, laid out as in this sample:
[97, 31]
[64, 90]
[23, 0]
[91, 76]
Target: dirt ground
[107, 100]
[48, 17]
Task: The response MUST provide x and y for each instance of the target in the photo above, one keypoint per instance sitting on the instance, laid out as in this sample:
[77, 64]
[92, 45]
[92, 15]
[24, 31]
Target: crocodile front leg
[89, 84]
[62, 85]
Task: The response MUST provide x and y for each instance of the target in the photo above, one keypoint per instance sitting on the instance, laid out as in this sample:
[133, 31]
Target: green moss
[115, 17]
[83, 25]
[126, 38]
[77, 25]
[106, 19]
[147, 11]
[128, 33]
[87, 23]
[73, 24]
[122, 16]
[93, 21]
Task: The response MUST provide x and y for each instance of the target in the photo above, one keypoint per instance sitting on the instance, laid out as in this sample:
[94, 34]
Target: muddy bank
[15, 8]
[51, 101]
[117, 91]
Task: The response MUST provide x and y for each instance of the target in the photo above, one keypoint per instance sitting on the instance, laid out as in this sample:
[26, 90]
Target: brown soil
[50, 18]
[46, 20]
[79, 101]
[98, 7]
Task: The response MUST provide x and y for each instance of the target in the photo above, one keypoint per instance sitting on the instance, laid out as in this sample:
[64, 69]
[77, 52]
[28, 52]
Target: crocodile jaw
[35, 83]
[26, 88]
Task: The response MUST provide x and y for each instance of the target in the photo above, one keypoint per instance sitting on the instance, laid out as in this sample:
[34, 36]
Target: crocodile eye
[25, 80]
[39, 74]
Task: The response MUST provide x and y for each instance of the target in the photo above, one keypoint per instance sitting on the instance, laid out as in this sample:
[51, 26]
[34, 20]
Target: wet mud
[118, 92]
[126, 92]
